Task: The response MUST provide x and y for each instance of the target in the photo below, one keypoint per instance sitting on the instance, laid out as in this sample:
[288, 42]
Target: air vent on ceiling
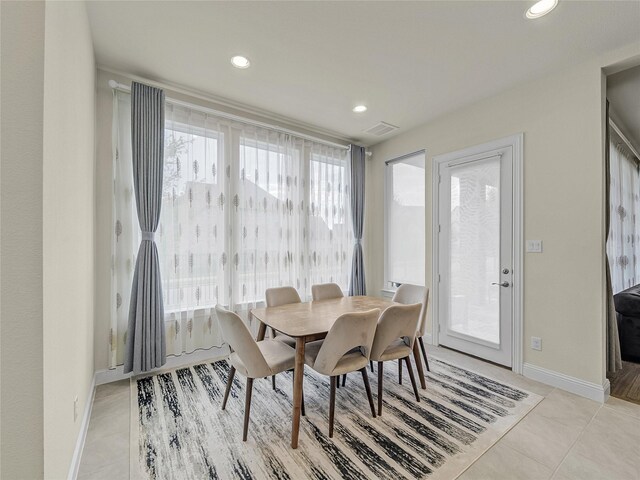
[381, 128]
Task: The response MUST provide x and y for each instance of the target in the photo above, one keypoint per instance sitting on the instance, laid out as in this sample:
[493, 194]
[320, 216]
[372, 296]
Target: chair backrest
[325, 291]
[281, 296]
[351, 330]
[238, 336]
[397, 321]
[410, 294]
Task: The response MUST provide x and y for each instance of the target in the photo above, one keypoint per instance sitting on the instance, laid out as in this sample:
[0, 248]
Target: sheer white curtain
[330, 242]
[125, 228]
[267, 219]
[190, 238]
[624, 232]
[244, 209]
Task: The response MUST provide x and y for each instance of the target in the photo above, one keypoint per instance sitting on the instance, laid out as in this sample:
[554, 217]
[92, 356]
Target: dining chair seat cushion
[286, 339]
[278, 355]
[397, 349]
[350, 362]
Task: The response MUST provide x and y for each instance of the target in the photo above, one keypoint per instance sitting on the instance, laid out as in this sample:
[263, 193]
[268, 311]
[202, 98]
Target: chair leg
[371, 365]
[367, 387]
[344, 379]
[424, 353]
[247, 408]
[332, 404]
[232, 372]
[273, 382]
[413, 379]
[380, 365]
[273, 333]
[400, 371]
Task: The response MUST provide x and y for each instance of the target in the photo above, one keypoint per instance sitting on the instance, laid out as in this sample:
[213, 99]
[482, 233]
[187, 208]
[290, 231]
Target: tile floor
[564, 437]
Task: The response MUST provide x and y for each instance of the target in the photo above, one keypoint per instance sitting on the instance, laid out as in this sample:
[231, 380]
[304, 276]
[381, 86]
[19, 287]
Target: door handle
[503, 284]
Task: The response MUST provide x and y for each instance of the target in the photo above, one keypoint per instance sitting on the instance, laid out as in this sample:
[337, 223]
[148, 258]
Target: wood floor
[626, 383]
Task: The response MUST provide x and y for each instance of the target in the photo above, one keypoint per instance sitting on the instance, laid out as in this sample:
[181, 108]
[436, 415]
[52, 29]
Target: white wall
[68, 228]
[561, 116]
[22, 72]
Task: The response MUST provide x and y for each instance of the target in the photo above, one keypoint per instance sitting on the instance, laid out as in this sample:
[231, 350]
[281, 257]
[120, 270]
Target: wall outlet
[75, 408]
[536, 343]
[534, 246]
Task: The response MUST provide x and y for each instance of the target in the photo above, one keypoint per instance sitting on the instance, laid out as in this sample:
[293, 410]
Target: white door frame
[516, 144]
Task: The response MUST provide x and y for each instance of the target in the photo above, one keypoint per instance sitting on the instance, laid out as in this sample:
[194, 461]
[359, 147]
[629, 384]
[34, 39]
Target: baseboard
[82, 434]
[589, 390]
[427, 338]
[212, 354]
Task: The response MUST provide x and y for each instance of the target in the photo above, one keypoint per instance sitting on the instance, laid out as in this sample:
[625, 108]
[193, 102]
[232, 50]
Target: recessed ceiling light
[541, 8]
[239, 61]
[360, 108]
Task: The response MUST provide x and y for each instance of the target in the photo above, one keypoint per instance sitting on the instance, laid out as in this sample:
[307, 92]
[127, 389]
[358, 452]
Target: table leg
[262, 330]
[298, 374]
[416, 356]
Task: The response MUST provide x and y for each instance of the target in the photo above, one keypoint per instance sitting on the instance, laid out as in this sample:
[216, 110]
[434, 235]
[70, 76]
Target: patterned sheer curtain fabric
[266, 215]
[330, 236]
[624, 230]
[244, 209]
[126, 232]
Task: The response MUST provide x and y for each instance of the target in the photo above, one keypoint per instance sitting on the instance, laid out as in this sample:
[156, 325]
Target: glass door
[475, 251]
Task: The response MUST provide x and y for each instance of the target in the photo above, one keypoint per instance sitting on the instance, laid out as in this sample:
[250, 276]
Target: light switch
[534, 246]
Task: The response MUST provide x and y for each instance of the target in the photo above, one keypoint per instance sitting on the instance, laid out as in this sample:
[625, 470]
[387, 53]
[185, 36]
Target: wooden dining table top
[317, 317]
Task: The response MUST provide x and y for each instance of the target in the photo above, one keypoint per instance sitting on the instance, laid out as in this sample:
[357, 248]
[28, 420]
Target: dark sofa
[627, 305]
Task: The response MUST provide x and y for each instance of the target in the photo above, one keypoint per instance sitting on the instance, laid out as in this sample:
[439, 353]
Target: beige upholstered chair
[345, 349]
[394, 339]
[276, 297]
[282, 296]
[409, 294]
[324, 291]
[250, 358]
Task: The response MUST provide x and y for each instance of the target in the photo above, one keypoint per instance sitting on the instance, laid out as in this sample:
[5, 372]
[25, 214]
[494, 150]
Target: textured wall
[22, 44]
[68, 228]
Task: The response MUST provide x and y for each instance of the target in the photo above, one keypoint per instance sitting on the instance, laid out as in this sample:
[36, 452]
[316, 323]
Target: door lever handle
[503, 284]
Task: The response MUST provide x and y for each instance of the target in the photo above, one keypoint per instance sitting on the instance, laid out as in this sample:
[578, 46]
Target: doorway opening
[623, 241]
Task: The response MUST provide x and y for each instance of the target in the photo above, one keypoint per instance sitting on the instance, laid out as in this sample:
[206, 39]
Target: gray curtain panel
[357, 284]
[614, 356]
[146, 347]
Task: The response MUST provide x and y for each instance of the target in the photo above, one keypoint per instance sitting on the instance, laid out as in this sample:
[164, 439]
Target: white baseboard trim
[427, 338]
[82, 434]
[593, 391]
[116, 374]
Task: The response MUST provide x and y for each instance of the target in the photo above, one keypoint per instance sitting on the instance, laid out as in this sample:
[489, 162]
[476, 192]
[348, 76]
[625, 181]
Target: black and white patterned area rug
[180, 432]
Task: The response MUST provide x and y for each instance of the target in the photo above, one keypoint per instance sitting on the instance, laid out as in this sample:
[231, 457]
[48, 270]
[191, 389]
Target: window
[191, 226]
[405, 220]
[244, 209]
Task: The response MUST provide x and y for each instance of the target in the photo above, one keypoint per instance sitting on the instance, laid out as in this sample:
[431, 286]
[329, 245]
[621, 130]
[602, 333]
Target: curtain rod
[624, 139]
[127, 89]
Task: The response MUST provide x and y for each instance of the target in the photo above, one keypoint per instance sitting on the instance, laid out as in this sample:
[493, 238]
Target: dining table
[310, 321]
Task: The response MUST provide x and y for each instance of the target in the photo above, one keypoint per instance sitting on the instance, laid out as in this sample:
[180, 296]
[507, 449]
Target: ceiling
[623, 92]
[409, 62]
